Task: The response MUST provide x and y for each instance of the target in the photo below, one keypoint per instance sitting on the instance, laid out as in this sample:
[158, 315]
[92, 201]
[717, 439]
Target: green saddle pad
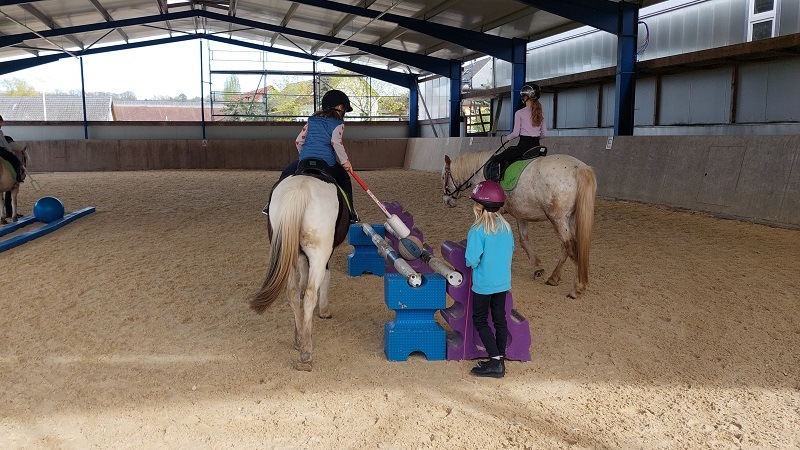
[10, 167]
[512, 173]
[344, 196]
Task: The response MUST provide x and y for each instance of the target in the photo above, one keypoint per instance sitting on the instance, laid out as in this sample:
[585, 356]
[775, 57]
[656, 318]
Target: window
[761, 24]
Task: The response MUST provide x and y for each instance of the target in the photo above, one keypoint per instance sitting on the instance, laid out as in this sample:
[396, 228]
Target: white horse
[9, 187]
[558, 188]
[307, 221]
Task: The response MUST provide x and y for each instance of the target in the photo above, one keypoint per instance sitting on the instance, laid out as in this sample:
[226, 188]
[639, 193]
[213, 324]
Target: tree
[126, 96]
[294, 100]
[17, 87]
[231, 88]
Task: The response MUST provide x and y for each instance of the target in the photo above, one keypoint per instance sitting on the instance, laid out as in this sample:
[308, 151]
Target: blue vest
[318, 139]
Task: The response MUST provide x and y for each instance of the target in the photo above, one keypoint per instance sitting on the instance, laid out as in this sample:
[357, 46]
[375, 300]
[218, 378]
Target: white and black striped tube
[414, 279]
[453, 277]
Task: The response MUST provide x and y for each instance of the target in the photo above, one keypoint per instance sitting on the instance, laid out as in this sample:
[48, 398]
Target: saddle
[316, 168]
[496, 171]
[319, 169]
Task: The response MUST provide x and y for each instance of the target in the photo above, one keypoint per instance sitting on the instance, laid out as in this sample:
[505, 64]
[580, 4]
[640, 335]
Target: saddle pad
[10, 167]
[343, 196]
[512, 173]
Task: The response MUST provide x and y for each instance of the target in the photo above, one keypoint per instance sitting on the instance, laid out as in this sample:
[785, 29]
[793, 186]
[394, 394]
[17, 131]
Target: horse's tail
[284, 248]
[584, 219]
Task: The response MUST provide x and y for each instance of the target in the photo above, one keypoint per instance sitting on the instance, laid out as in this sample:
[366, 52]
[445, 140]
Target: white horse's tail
[284, 248]
[584, 219]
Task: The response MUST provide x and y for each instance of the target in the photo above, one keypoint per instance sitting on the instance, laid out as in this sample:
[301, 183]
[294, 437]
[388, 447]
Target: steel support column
[626, 70]
[517, 75]
[455, 98]
[413, 110]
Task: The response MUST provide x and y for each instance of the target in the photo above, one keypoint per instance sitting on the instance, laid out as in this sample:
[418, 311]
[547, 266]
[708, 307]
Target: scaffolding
[247, 86]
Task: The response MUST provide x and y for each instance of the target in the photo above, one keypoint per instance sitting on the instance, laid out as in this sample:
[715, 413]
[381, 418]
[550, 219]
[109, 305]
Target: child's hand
[347, 166]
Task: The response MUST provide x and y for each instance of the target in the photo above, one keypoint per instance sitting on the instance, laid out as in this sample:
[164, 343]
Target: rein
[448, 176]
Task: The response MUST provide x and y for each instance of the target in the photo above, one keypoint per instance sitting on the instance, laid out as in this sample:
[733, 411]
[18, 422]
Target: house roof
[69, 108]
[54, 107]
[160, 111]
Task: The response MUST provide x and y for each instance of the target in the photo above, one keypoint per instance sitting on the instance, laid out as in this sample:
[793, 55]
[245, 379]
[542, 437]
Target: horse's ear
[446, 159]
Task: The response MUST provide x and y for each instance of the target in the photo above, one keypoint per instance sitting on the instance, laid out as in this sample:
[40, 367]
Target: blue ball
[48, 209]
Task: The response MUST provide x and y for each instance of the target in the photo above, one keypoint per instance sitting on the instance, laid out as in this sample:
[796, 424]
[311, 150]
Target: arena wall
[94, 155]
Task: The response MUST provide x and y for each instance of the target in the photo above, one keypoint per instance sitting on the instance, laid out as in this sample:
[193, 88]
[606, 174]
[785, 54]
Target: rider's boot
[354, 215]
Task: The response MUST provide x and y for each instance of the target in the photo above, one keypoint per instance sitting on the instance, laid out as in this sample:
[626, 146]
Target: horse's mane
[465, 165]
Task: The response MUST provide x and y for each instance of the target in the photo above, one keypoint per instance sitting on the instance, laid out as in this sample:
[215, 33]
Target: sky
[166, 70]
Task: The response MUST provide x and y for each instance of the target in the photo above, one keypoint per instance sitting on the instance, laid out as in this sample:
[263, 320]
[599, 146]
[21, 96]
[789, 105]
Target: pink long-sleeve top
[523, 126]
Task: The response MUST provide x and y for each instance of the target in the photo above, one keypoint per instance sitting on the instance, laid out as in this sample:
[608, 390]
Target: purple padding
[459, 316]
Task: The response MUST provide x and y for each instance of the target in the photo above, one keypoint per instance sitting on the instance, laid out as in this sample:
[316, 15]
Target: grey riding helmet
[531, 91]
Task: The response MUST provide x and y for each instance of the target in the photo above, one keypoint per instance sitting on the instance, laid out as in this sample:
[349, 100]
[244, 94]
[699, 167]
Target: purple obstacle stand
[464, 342]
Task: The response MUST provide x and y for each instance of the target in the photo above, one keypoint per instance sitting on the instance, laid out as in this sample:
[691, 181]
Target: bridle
[448, 177]
[456, 192]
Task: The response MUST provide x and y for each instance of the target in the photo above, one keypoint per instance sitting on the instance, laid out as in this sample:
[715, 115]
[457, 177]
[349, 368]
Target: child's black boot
[495, 368]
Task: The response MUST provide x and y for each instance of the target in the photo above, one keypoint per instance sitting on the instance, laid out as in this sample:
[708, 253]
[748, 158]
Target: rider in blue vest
[321, 138]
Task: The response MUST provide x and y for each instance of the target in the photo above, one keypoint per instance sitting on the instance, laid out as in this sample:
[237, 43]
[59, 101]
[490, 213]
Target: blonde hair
[491, 222]
[537, 115]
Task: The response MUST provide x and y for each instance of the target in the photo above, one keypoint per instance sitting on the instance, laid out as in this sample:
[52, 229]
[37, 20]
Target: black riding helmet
[334, 98]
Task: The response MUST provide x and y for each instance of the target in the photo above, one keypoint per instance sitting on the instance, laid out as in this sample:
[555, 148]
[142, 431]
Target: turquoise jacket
[489, 255]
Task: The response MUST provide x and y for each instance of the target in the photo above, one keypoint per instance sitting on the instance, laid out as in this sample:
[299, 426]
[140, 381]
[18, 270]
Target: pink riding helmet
[489, 194]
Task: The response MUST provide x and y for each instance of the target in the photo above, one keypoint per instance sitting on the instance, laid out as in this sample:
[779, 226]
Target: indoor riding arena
[149, 301]
[130, 328]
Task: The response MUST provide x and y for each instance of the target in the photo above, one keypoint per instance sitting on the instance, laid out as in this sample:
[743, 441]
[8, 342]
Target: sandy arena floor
[129, 329]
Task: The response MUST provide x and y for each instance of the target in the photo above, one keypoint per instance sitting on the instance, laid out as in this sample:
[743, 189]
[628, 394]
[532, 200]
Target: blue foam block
[400, 340]
[414, 328]
[365, 257]
[430, 295]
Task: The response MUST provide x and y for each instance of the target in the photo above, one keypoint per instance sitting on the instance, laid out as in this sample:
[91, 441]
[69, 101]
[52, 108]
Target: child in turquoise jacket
[490, 246]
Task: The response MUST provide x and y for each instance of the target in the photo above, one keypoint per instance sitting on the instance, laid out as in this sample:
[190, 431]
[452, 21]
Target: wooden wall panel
[235, 154]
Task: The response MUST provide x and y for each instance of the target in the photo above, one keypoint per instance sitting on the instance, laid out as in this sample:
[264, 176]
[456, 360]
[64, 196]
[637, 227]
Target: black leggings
[495, 344]
[12, 158]
[337, 171]
[514, 153]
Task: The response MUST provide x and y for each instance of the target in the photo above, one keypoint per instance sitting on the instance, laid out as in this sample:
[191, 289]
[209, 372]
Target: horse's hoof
[572, 296]
[304, 363]
[552, 281]
[538, 273]
[303, 366]
[325, 316]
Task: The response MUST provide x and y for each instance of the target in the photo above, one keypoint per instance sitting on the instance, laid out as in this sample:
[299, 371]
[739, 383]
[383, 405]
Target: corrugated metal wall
[696, 26]
[767, 92]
